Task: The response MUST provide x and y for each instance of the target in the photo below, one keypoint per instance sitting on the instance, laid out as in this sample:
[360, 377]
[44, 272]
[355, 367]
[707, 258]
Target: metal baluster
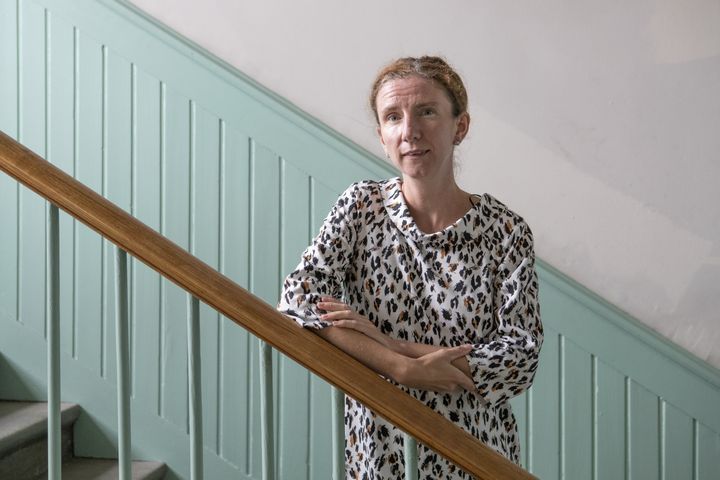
[266, 411]
[338, 434]
[411, 457]
[53, 334]
[122, 328]
[194, 392]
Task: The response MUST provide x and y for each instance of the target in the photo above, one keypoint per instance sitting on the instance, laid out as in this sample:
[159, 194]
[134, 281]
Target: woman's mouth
[414, 153]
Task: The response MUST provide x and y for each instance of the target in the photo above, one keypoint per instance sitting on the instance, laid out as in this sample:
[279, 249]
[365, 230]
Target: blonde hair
[435, 69]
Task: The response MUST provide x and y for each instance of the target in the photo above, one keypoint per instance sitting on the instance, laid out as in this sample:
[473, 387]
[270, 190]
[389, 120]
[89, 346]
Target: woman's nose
[411, 129]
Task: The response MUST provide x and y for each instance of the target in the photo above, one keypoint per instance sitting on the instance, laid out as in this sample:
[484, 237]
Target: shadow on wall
[15, 386]
[699, 334]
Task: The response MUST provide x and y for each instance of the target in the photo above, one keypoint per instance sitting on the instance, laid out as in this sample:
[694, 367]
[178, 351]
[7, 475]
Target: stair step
[23, 437]
[23, 447]
[23, 422]
[107, 469]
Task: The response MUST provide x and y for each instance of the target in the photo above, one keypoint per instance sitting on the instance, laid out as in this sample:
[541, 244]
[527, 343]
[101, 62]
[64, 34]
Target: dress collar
[465, 228]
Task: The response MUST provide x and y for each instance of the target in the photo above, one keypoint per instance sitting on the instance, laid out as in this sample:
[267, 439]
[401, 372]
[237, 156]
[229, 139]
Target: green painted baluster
[411, 458]
[123, 363]
[53, 339]
[194, 392]
[266, 411]
[338, 433]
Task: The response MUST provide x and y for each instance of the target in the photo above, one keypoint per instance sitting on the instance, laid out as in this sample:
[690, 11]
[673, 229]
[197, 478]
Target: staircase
[23, 447]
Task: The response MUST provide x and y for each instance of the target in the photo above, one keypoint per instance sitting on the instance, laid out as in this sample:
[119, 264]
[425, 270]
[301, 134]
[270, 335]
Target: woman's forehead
[410, 90]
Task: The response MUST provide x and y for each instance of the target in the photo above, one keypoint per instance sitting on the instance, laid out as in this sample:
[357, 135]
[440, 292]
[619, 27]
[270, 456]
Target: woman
[430, 286]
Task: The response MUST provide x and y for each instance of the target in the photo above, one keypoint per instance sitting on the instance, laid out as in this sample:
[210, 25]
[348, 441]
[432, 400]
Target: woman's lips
[415, 153]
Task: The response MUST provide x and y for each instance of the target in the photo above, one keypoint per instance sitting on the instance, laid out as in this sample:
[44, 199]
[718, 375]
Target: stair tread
[102, 469]
[21, 422]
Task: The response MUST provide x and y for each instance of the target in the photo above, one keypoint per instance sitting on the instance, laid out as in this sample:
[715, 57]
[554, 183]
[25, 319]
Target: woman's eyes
[395, 117]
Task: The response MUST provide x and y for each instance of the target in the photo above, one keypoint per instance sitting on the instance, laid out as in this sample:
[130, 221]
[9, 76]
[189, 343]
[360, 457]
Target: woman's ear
[463, 125]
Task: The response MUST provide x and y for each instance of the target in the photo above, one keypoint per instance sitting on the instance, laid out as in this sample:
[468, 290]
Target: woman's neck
[435, 206]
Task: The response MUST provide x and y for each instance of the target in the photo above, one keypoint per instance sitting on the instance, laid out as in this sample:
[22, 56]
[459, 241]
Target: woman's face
[417, 127]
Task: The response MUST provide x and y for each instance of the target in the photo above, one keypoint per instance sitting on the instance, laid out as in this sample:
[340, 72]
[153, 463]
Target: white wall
[598, 121]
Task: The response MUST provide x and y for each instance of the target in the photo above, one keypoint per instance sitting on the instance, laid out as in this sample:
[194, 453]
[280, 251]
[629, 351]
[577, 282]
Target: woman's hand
[342, 316]
[435, 371]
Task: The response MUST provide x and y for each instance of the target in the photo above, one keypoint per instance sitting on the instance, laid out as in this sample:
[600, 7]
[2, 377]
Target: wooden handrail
[253, 314]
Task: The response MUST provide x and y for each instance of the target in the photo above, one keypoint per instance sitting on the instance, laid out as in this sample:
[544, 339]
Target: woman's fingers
[466, 382]
[442, 374]
[330, 304]
[332, 307]
[451, 353]
[357, 325]
[338, 315]
[332, 300]
[356, 322]
[456, 352]
[342, 316]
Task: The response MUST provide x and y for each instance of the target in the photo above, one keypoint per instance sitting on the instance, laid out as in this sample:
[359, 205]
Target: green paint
[338, 432]
[676, 455]
[644, 434]
[122, 348]
[195, 393]
[411, 457]
[577, 427]
[609, 423]
[267, 412]
[53, 345]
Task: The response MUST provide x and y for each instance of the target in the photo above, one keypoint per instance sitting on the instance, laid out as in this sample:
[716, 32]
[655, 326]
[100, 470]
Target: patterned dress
[473, 282]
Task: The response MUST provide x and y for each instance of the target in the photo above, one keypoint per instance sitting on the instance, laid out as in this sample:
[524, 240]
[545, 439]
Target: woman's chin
[414, 170]
[409, 174]
[421, 174]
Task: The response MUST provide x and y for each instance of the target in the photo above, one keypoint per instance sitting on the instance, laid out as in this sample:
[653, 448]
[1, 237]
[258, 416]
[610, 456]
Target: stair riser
[29, 461]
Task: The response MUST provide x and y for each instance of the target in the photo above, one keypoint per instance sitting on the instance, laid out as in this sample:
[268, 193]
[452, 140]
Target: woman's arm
[342, 316]
[432, 371]
[504, 365]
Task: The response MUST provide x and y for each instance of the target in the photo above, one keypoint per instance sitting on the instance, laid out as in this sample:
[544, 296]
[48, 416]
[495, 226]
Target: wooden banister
[239, 305]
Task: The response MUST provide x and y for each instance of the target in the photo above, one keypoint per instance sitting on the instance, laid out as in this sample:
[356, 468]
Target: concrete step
[107, 469]
[23, 422]
[23, 437]
[23, 447]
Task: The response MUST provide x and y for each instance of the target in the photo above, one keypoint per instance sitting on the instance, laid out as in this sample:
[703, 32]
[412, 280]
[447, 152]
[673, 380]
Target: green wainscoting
[242, 179]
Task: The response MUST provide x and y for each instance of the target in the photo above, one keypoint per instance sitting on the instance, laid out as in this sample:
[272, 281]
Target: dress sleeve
[322, 268]
[505, 365]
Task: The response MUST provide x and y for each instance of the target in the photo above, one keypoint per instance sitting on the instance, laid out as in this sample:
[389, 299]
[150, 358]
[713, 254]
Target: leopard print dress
[473, 282]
